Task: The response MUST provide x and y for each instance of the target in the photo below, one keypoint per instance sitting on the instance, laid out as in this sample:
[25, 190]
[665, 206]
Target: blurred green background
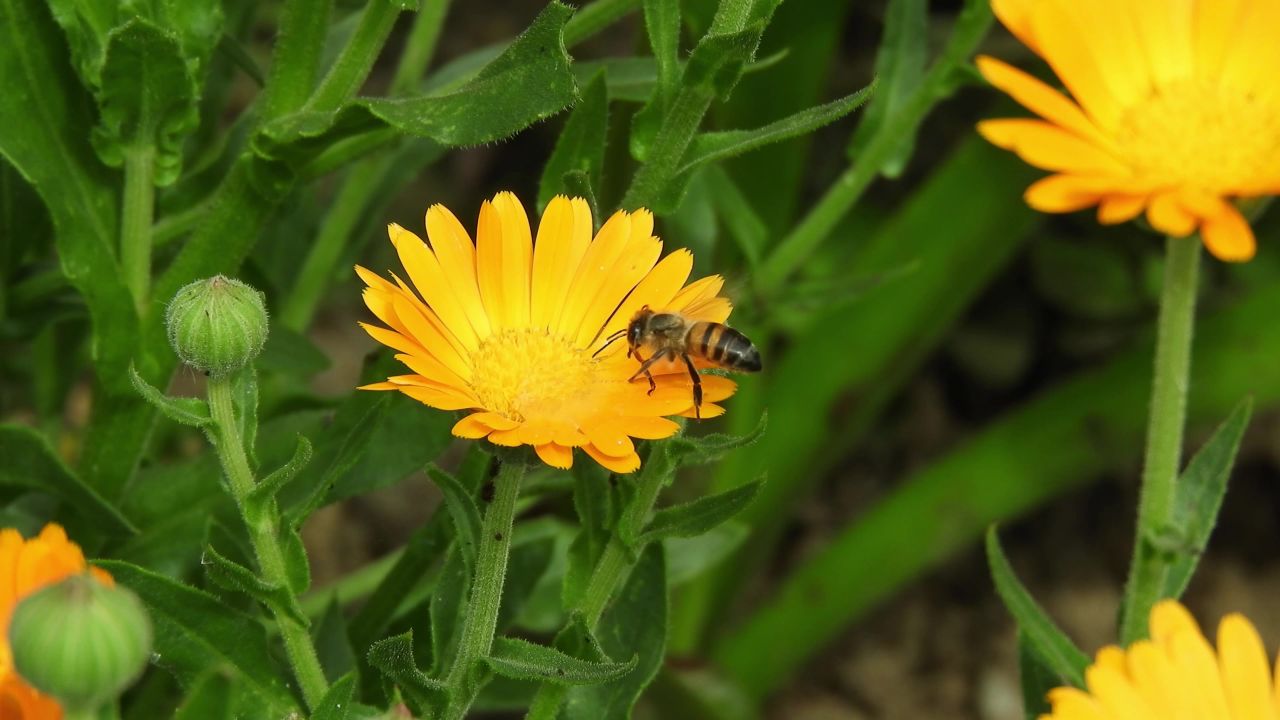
[938, 358]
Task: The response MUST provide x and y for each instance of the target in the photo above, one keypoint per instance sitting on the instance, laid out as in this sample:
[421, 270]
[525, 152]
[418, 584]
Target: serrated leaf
[1036, 678]
[297, 570]
[185, 410]
[580, 146]
[462, 510]
[718, 60]
[265, 491]
[634, 625]
[195, 631]
[208, 699]
[336, 703]
[236, 577]
[900, 65]
[699, 516]
[393, 657]
[1060, 655]
[1198, 496]
[523, 660]
[715, 146]
[686, 450]
[31, 464]
[526, 83]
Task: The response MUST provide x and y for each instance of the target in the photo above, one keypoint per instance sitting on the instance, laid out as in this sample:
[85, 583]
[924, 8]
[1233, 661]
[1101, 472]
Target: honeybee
[672, 335]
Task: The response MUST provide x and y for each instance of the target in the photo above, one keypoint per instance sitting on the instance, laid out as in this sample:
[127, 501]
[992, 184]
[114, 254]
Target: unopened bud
[217, 325]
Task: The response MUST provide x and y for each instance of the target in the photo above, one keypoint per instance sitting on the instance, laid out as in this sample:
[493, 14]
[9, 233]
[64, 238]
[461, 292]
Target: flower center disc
[1199, 133]
[531, 373]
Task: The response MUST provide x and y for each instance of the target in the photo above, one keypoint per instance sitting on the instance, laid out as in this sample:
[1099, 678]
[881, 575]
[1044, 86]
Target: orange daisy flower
[1176, 675]
[516, 330]
[1174, 110]
[25, 567]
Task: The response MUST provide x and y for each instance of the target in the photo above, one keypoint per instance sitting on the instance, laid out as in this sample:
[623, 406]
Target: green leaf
[185, 410]
[596, 510]
[209, 698]
[147, 99]
[580, 145]
[463, 511]
[526, 83]
[336, 703]
[297, 570]
[289, 352]
[900, 65]
[31, 464]
[1060, 655]
[699, 516]
[686, 450]
[687, 558]
[448, 608]
[195, 631]
[333, 646]
[349, 441]
[1036, 679]
[244, 396]
[47, 116]
[715, 146]
[1198, 497]
[718, 60]
[662, 21]
[393, 657]
[531, 555]
[265, 491]
[523, 660]
[744, 224]
[236, 577]
[634, 625]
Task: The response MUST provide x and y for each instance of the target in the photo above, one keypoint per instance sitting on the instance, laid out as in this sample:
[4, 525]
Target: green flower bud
[218, 325]
[80, 641]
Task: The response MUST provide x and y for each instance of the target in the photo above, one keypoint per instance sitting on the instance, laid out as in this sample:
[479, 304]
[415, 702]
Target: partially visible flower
[27, 566]
[511, 328]
[1173, 111]
[1176, 675]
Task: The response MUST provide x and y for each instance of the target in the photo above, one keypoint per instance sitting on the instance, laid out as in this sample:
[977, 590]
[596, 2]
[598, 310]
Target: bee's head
[635, 329]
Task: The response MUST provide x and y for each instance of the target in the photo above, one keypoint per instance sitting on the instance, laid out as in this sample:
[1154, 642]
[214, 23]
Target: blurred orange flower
[1173, 111]
[1176, 675]
[27, 566]
[510, 328]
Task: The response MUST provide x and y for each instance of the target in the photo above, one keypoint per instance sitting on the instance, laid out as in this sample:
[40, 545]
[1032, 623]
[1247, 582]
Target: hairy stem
[138, 209]
[1165, 426]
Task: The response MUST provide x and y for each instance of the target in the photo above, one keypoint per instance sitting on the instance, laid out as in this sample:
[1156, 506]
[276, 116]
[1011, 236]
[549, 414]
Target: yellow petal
[1114, 692]
[441, 397]
[1015, 15]
[1063, 193]
[1116, 209]
[1169, 217]
[1048, 146]
[622, 465]
[557, 456]
[425, 329]
[649, 427]
[1066, 45]
[1040, 99]
[1245, 675]
[429, 367]
[602, 254]
[563, 236]
[393, 339]
[1163, 30]
[620, 279]
[457, 255]
[1074, 704]
[517, 258]
[1214, 30]
[432, 284]
[1228, 235]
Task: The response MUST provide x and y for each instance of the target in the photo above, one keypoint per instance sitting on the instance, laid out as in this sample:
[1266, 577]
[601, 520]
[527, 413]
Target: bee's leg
[644, 369]
[697, 385]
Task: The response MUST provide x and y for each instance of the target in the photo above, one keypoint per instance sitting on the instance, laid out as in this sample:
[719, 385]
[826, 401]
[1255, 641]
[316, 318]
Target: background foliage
[938, 357]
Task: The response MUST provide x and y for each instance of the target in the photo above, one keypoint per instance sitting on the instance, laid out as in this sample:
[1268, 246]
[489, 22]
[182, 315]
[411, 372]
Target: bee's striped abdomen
[724, 346]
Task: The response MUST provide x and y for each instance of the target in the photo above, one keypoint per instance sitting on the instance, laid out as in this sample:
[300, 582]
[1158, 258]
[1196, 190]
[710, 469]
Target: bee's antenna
[610, 340]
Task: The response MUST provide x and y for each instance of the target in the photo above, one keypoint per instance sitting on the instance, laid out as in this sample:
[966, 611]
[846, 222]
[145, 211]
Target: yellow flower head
[1177, 676]
[25, 567]
[513, 329]
[1174, 110]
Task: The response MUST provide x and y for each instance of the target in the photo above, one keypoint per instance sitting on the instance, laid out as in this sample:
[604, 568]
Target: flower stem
[611, 570]
[481, 621]
[137, 211]
[351, 68]
[1164, 433]
[264, 537]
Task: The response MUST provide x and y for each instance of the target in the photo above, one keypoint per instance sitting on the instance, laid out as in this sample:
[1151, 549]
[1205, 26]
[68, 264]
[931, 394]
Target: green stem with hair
[1165, 425]
[264, 536]
[137, 211]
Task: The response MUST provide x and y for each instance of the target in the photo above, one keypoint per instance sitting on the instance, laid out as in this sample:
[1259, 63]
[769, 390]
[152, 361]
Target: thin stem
[1165, 426]
[593, 18]
[138, 209]
[481, 620]
[264, 537]
[352, 66]
[611, 569]
[296, 60]
[419, 47]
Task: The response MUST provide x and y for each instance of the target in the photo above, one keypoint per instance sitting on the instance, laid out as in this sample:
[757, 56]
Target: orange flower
[1176, 675]
[27, 566]
[511, 328]
[1174, 110]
